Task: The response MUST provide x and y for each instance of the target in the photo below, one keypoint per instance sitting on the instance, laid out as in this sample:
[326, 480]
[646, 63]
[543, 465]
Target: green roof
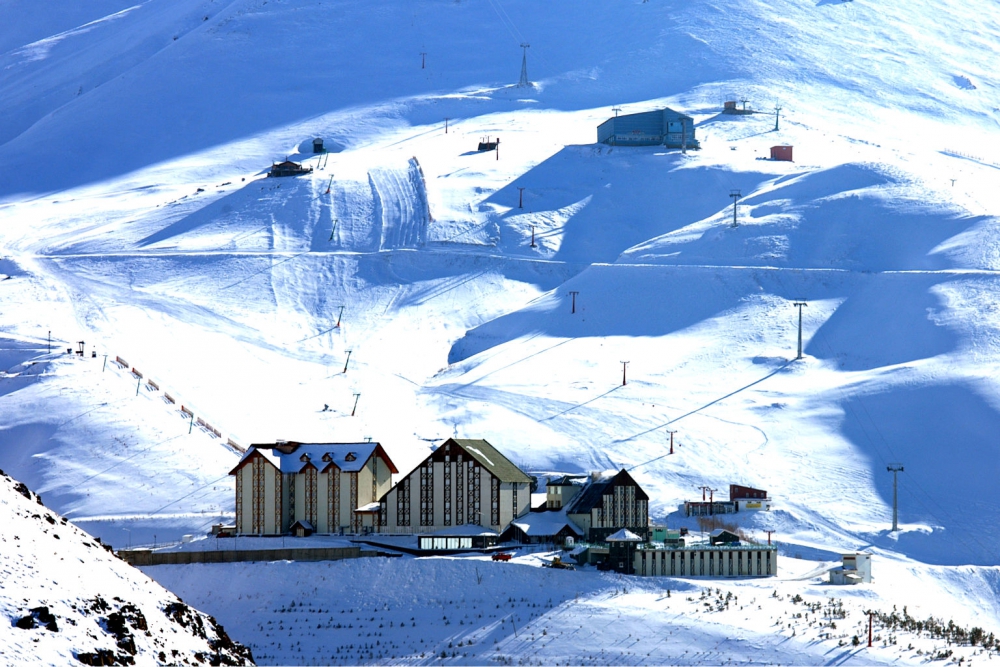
[488, 457]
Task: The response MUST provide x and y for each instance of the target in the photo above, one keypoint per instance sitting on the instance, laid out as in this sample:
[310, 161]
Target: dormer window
[327, 458]
[350, 457]
[304, 458]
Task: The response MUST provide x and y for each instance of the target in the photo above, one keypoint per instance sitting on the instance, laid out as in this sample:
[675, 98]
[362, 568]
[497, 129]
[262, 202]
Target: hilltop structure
[288, 168]
[741, 499]
[663, 127]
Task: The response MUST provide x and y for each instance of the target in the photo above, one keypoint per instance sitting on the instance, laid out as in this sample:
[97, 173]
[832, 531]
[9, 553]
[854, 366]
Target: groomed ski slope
[135, 215]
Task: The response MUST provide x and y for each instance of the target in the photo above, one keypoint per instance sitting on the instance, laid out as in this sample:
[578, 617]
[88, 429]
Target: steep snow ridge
[67, 600]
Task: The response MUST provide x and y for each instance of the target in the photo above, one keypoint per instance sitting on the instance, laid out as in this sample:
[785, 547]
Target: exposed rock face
[76, 602]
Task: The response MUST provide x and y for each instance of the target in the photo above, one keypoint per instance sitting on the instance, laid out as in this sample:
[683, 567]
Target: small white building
[542, 527]
[856, 568]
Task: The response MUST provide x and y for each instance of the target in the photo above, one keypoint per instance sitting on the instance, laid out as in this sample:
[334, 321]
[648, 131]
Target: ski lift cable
[128, 458]
[505, 20]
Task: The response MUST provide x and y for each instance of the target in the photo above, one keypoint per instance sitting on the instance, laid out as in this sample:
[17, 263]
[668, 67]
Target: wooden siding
[457, 491]
[256, 483]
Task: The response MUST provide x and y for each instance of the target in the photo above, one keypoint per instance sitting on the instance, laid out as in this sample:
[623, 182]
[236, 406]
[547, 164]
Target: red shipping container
[783, 153]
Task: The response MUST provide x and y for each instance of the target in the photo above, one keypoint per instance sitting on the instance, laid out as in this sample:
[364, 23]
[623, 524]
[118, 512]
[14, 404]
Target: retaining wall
[144, 557]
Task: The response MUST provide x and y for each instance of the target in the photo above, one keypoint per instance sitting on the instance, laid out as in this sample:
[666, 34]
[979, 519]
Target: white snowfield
[135, 215]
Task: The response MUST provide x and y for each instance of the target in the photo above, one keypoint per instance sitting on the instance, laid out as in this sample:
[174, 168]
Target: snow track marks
[400, 206]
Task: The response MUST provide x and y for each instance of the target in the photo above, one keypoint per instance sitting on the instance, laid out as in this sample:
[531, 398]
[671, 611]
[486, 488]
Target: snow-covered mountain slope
[67, 600]
[471, 611]
[135, 216]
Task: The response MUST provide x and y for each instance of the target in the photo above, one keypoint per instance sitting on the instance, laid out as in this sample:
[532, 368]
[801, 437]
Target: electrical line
[142, 451]
[268, 268]
[688, 414]
[506, 21]
[214, 481]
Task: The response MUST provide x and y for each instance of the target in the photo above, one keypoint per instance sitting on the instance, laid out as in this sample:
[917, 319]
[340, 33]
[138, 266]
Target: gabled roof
[664, 113]
[252, 452]
[722, 531]
[567, 480]
[347, 456]
[304, 523]
[491, 459]
[545, 523]
[589, 498]
[592, 494]
[623, 535]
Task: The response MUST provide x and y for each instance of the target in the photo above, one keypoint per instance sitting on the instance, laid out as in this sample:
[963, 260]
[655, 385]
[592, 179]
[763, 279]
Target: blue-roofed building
[663, 127]
[328, 487]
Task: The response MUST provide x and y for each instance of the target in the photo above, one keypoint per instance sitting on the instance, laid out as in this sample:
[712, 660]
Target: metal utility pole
[328, 186]
[50, 333]
[423, 60]
[533, 237]
[446, 119]
[356, 397]
[524, 83]
[744, 101]
[105, 363]
[624, 364]
[671, 440]
[736, 195]
[191, 424]
[498, 149]
[337, 326]
[334, 230]
[799, 304]
[895, 469]
[520, 197]
[870, 629]
[348, 360]
[573, 308]
[711, 498]
[137, 386]
[616, 110]
[769, 533]
[777, 112]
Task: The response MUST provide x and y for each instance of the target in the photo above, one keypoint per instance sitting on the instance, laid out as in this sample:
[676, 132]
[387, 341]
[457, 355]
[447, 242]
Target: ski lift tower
[524, 83]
